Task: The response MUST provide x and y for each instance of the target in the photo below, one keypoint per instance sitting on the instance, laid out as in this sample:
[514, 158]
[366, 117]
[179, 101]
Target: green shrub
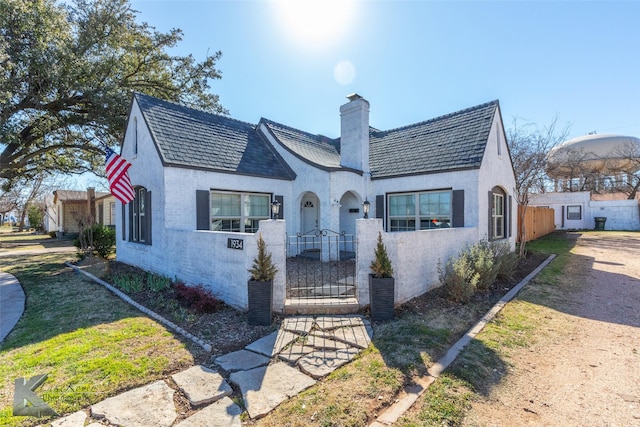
[484, 264]
[459, 278]
[35, 216]
[97, 239]
[157, 283]
[476, 268]
[128, 283]
[506, 259]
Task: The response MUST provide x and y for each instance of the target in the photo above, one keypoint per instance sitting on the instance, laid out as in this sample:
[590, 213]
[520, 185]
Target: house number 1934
[235, 243]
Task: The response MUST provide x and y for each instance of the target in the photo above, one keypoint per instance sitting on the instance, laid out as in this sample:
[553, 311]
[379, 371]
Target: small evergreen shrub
[381, 264]
[263, 268]
[197, 297]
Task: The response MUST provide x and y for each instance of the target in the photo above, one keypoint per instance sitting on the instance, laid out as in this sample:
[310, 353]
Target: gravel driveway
[584, 367]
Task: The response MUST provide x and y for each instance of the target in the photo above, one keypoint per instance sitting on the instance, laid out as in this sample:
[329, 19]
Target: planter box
[382, 298]
[260, 302]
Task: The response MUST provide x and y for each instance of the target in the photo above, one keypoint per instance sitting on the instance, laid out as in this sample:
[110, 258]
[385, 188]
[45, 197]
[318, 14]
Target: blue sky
[414, 60]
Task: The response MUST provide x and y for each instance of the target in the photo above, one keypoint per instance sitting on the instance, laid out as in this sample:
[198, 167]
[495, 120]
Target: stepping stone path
[267, 372]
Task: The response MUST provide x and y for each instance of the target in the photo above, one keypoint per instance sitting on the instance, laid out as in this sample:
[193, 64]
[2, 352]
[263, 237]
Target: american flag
[119, 182]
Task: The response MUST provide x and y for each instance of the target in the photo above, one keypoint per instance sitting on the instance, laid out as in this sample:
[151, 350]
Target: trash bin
[600, 220]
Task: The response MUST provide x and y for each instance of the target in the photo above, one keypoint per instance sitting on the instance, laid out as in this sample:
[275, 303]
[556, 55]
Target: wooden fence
[537, 221]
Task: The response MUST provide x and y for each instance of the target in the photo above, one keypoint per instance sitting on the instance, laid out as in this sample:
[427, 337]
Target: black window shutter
[132, 208]
[280, 199]
[457, 208]
[202, 210]
[490, 215]
[123, 223]
[507, 216]
[148, 215]
[380, 207]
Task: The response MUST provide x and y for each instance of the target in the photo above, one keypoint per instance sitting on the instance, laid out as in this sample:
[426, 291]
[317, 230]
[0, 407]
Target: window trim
[244, 217]
[417, 218]
[579, 214]
[498, 219]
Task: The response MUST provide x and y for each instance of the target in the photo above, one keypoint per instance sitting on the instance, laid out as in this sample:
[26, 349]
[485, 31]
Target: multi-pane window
[139, 216]
[140, 227]
[574, 212]
[239, 212]
[498, 216]
[420, 211]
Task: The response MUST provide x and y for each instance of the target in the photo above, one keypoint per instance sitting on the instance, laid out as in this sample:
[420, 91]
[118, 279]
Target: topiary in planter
[260, 286]
[381, 284]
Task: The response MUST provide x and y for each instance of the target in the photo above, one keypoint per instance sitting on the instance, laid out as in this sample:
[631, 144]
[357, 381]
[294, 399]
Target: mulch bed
[228, 329]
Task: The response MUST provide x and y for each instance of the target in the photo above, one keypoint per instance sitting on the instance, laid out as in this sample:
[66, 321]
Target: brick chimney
[354, 133]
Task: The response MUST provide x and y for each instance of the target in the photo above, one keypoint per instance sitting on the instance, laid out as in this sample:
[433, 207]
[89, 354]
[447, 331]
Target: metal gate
[321, 264]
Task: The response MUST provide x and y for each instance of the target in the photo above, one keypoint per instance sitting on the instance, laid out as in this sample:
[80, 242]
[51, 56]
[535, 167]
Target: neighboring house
[67, 209]
[10, 218]
[205, 184]
[577, 210]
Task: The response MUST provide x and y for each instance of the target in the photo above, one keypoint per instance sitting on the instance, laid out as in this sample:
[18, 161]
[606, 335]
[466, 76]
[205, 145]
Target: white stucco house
[205, 184]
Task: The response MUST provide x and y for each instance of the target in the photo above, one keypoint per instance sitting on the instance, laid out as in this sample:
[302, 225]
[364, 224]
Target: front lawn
[91, 344]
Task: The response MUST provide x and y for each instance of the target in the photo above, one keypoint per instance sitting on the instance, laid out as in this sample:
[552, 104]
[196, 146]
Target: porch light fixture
[275, 208]
[366, 205]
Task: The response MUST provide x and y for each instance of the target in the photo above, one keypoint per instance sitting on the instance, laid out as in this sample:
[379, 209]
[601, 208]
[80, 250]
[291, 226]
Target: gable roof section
[317, 150]
[451, 142]
[190, 138]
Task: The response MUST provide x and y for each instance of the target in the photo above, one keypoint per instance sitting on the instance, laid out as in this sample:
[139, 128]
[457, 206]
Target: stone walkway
[267, 372]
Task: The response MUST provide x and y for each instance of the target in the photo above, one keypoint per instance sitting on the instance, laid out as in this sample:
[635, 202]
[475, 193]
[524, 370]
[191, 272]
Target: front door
[310, 211]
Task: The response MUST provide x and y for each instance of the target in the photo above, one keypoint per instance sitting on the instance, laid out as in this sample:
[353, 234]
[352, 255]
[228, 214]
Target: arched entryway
[320, 262]
[350, 210]
[309, 212]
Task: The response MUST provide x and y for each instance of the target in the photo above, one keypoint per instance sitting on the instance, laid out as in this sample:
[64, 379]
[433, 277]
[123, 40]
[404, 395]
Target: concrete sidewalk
[12, 300]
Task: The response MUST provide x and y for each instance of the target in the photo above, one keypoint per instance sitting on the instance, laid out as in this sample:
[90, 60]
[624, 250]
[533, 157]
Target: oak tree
[67, 71]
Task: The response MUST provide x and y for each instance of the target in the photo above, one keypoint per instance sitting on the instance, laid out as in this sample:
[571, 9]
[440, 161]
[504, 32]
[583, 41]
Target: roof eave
[402, 175]
[226, 171]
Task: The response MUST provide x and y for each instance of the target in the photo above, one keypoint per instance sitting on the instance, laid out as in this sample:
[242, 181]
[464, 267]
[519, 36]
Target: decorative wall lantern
[275, 209]
[366, 205]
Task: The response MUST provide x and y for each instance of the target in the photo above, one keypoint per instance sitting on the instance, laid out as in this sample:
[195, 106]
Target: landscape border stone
[413, 392]
[206, 347]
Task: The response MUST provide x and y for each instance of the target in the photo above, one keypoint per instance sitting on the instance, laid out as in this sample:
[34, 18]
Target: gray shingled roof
[315, 149]
[186, 137]
[191, 138]
[452, 142]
